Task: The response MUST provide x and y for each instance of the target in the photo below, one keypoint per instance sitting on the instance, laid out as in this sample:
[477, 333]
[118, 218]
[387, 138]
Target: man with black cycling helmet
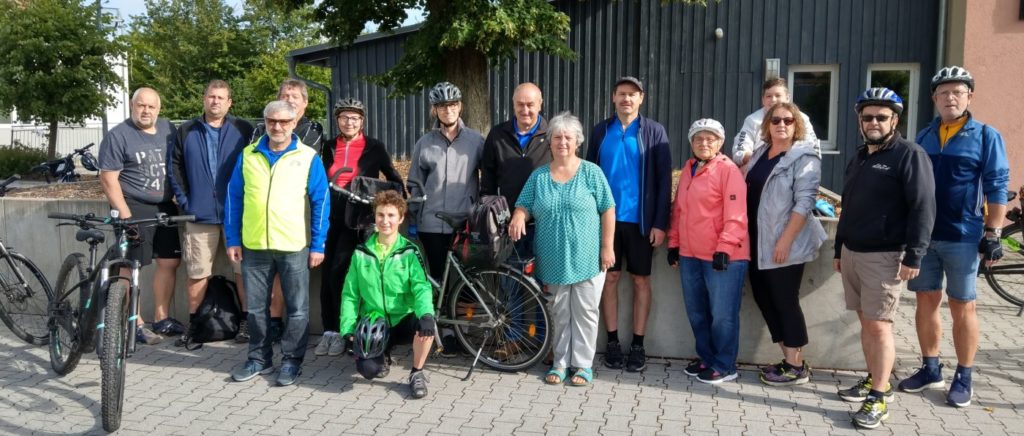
[366, 157]
[888, 210]
[970, 167]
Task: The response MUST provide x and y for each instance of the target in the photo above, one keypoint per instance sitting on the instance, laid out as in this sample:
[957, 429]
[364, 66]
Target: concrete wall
[833, 331]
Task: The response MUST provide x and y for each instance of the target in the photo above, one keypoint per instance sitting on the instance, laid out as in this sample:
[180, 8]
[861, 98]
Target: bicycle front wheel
[504, 317]
[66, 328]
[24, 303]
[1007, 276]
[113, 354]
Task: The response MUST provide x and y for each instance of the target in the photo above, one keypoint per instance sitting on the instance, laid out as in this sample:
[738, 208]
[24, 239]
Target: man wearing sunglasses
[888, 211]
[970, 165]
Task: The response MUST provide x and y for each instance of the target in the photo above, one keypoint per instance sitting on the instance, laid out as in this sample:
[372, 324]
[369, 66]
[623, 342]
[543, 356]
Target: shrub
[19, 159]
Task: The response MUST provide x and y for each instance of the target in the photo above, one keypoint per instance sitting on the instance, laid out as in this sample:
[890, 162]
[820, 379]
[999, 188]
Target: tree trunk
[468, 70]
[51, 148]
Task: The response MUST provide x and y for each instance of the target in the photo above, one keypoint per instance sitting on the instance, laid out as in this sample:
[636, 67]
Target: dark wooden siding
[688, 73]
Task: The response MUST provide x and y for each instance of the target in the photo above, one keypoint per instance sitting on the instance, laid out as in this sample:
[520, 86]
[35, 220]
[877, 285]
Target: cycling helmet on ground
[349, 104]
[880, 97]
[706, 125]
[953, 73]
[444, 92]
[372, 335]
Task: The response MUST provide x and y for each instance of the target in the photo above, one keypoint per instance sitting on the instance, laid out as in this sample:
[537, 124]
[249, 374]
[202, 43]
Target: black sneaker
[860, 391]
[713, 377]
[694, 368]
[418, 384]
[871, 413]
[637, 359]
[613, 355]
[243, 332]
[385, 369]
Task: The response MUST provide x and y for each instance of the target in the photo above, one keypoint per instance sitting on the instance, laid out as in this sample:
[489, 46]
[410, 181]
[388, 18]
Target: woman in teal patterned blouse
[575, 214]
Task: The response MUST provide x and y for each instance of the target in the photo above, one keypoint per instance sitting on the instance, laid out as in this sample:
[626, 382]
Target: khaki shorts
[200, 247]
[871, 283]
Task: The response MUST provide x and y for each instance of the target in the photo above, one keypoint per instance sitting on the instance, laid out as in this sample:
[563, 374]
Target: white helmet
[706, 125]
[953, 73]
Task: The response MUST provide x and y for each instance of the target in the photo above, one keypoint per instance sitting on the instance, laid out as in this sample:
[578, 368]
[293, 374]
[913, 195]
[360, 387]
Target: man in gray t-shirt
[135, 181]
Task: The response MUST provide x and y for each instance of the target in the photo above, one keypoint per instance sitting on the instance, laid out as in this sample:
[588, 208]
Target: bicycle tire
[27, 316]
[66, 332]
[1006, 278]
[112, 355]
[521, 338]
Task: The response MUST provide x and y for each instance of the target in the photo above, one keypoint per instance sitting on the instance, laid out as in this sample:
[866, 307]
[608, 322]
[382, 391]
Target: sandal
[586, 374]
[558, 373]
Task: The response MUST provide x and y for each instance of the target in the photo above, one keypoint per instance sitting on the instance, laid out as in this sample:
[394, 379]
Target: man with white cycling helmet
[888, 210]
[971, 172]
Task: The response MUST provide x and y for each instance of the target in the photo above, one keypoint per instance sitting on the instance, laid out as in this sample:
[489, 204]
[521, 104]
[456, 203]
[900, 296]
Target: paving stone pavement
[172, 391]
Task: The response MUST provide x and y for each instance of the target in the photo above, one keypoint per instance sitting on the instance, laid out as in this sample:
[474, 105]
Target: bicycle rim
[520, 337]
[24, 306]
[1006, 278]
[112, 359]
[65, 326]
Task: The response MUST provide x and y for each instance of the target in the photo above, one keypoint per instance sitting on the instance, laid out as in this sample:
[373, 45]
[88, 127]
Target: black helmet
[444, 92]
[372, 335]
[880, 97]
[349, 104]
[953, 73]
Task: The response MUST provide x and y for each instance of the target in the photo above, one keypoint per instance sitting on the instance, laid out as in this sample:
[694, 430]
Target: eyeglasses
[870, 118]
[788, 120]
[272, 121]
[349, 119]
[448, 105]
[957, 93]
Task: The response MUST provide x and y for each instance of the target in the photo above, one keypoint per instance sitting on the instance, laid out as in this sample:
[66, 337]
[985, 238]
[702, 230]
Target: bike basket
[359, 215]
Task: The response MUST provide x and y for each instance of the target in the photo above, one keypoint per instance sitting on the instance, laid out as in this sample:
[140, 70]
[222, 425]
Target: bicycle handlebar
[83, 149]
[82, 220]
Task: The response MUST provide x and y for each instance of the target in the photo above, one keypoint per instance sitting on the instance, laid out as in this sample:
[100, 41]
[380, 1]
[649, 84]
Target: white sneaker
[326, 341]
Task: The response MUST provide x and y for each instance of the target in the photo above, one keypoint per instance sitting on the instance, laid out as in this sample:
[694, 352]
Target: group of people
[910, 213]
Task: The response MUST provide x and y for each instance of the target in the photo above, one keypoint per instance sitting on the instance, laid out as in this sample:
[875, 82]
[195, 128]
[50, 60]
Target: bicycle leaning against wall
[1007, 276]
[24, 294]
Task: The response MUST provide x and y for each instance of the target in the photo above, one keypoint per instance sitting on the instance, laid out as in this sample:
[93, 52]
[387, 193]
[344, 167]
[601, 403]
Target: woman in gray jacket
[782, 185]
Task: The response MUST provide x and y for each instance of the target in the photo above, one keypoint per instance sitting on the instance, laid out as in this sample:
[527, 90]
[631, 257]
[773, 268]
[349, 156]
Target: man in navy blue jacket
[201, 160]
[633, 152]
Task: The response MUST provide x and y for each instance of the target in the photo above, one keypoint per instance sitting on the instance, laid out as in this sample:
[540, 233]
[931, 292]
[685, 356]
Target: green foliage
[19, 159]
[55, 61]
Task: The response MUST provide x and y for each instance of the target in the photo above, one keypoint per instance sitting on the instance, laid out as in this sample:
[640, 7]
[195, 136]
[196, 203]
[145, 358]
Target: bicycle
[1006, 278]
[498, 313]
[107, 306]
[4, 184]
[23, 297]
[62, 170]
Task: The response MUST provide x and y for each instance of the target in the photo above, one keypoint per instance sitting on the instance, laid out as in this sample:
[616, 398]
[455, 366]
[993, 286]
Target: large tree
[458, 41]
[55, 62]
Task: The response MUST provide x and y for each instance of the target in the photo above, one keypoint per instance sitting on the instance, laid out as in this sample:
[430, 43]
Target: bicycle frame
[450, 263]
[7, 287]
[121, 261]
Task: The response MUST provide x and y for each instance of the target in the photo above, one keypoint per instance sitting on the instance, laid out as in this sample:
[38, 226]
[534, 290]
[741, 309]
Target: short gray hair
[566, 122]
[279, 106]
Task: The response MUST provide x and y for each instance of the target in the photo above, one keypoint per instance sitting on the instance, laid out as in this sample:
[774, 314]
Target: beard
[877, 139]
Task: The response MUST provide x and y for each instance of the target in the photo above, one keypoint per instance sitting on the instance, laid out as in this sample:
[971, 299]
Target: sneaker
[871, 413]
[859, 392]
[243, 332]
[146, 336]
[385, 369]
[326, 341]
[773, 368]
[169, 327]
[787, 377]
[960, 391]
[637, 360]
[418, 384]
[288, 375]
[694, 368]
[337, 345]
[251, 369]
[924, 378]
[713, 377]
[449, 346]
[613, 355]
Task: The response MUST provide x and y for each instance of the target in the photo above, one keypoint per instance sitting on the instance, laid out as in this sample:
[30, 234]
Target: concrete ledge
[833, 331]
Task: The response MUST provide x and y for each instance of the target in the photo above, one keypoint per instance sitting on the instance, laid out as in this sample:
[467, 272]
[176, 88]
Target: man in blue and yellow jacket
[265, 226]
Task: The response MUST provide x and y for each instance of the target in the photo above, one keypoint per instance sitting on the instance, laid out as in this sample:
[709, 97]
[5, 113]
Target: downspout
[940, 45]
[293, 73]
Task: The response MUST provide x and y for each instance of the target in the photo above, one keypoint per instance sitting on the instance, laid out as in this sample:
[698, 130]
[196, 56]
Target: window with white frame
[815, 89]
[903, 79]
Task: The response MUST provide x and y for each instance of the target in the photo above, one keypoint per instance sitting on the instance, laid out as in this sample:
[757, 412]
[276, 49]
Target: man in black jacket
[887, 218]
[310, 131]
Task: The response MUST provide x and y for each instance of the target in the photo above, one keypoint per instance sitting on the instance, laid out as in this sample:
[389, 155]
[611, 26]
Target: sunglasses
[788, 120]
[870, 118]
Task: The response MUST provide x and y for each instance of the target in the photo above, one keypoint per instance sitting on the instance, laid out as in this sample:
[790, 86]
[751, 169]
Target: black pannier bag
[485, 243]
[359, 215]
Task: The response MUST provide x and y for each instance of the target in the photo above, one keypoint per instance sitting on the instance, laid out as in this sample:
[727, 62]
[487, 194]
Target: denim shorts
[957, 261]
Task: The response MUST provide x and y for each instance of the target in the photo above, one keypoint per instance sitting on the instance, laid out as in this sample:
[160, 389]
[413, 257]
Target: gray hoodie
[447, 172]
[792, 186]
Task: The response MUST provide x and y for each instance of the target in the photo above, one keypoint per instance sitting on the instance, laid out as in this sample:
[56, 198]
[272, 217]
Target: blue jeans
[713, 305]
[258, 270]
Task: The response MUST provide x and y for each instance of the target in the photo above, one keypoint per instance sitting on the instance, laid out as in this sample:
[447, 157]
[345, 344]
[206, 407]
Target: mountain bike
[107, 305]
[499, 313]
[24, 295]
[4, 184]
[1006, 277]
[62, 170]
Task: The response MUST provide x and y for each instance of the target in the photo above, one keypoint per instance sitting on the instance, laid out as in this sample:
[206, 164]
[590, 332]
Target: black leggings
[341, 243]
[435, 249]
[777, 294]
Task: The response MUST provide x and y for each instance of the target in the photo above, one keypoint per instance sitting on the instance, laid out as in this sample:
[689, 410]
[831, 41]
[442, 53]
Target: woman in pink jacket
[708, 240]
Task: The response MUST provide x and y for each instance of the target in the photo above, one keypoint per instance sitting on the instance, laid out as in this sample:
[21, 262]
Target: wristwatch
[997, 232]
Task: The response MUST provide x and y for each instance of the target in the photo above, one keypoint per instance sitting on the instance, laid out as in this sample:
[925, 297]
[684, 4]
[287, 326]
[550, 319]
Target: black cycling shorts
[632, 247]
[157, 241]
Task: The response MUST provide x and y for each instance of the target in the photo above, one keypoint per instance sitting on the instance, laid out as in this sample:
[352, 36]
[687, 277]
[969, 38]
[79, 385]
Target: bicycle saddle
[455, 220]
[91, 236]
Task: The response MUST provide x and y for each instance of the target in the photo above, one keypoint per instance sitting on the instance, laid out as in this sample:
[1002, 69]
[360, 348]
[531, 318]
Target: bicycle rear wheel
[113, 353]
[66, 325]
[24, 305]
[519, 336]
[1007, 277]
